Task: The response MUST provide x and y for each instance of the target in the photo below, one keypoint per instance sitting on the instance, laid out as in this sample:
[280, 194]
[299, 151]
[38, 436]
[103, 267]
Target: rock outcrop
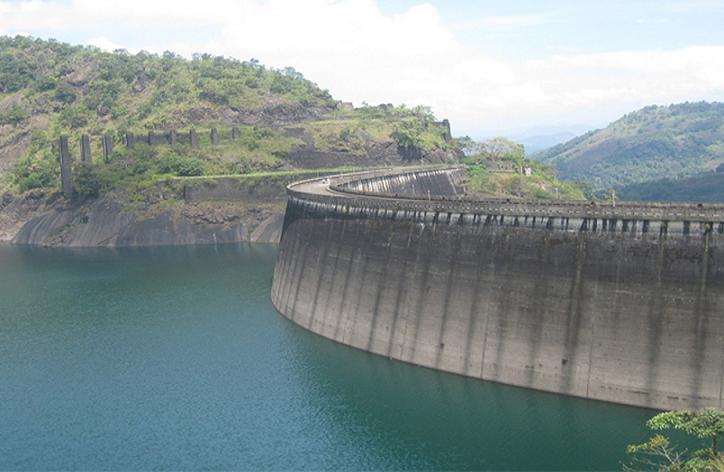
[109, 222]
[370, 153]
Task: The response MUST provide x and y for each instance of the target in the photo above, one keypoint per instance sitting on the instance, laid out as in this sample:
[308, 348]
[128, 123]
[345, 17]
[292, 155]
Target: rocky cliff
[108, 222]
[179, 211]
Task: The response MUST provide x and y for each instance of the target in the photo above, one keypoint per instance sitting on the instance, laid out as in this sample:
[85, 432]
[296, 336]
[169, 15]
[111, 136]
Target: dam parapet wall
[411, 183]
[622, 304]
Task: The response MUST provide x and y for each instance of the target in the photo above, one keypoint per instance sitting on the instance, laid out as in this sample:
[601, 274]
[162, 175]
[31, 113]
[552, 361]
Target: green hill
[48, 89]
[708, 187]
[654, 143]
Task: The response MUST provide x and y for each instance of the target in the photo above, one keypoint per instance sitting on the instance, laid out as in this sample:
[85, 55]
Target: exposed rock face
[82, 72]
[14, 140]
[175, 212]
[272, 114]
[373, 153]
[268, 115]
[12, 148]
[106, 222]
[15, 211]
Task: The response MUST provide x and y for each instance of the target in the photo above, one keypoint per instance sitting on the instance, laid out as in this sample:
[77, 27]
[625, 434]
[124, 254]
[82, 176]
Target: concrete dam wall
[411, 183]
[623, 304]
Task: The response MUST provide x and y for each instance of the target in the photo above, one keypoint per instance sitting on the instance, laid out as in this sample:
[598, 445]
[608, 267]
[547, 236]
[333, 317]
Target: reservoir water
[174, 358]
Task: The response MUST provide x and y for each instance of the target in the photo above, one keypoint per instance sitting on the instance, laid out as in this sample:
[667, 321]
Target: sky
[514, 67]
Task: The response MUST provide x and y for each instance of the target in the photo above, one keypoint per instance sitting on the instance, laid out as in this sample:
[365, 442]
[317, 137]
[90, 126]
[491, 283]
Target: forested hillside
[705, 187]
[657, 142]
[48, 89]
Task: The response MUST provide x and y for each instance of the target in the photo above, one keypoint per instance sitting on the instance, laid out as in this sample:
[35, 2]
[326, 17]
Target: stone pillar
[235, 132]
[107, 147]
[85, 149]
[66, 169]
[172, 137]
[130, 139]
[446, 134]
[214, 136]
[193, 138]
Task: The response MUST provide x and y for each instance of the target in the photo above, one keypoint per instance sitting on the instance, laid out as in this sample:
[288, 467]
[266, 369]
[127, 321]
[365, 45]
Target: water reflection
[430, 419]
[173, 358]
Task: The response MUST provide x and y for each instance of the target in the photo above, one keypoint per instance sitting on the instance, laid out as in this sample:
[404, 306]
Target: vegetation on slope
[706, 187]
[496, 168]
[48, 88]
[654, 143]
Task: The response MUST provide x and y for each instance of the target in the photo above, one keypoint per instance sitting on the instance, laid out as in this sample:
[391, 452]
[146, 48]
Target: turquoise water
[175, 359]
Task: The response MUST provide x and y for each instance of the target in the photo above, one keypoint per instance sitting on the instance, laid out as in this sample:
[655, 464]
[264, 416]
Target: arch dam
[619, 303]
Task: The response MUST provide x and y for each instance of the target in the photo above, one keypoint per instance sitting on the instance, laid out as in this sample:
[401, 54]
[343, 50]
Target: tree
[87, 182]
[407, 135]
[611, 195]
[704, 424]
[502, 148]
[585, 188]
[658, 452]
[466, 145]
[655, 454]
[292, 73]
[493, 149]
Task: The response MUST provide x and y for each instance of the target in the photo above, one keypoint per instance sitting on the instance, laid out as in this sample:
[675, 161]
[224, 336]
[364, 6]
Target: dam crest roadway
[617, 303]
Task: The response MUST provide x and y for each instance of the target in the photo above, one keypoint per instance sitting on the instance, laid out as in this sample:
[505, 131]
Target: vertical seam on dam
[472, 314]
[419, 311]
[321, 260]
[487, 322]
[343, 299]
[702, 321]
[656, 318]
[540, 291]
[379, 291]
[446, 302]
[401, 289]
[575, 314]
[335, 269]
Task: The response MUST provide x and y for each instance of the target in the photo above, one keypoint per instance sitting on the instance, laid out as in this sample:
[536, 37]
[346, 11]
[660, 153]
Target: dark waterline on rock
[173, 358]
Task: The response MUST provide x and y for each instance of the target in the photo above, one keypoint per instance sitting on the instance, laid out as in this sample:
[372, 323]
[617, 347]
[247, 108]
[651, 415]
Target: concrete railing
[350, 195]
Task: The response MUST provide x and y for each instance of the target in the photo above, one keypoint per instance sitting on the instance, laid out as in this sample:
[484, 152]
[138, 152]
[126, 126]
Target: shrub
[64, 93]
[86, 181]
[14, 116]
[74, 117]
[29, 173]
[180, 165]
[15, 73]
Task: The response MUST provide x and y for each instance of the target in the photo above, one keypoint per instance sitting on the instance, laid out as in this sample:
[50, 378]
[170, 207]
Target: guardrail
[663, 211]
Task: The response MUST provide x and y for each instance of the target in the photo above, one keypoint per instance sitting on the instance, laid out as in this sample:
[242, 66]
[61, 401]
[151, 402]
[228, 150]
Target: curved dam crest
[621, 304]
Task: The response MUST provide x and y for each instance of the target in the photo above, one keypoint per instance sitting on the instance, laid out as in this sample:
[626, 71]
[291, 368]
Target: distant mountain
[654, 143]
[539, 142]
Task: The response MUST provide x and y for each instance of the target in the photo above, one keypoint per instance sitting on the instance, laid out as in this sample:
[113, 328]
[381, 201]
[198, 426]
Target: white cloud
[107, 45]
[501, 22]
[414, 57]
